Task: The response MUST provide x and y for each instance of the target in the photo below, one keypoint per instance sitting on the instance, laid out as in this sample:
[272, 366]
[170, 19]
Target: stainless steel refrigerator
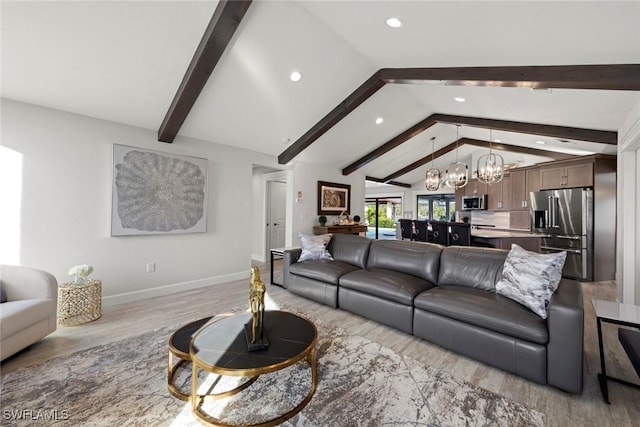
[566, 217]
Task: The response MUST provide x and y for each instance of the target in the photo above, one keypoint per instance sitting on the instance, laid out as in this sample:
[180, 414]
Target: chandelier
[490, 166]
[433, 177]
[457, 174]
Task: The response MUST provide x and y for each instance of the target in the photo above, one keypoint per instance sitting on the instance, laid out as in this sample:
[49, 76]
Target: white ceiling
[123, 61]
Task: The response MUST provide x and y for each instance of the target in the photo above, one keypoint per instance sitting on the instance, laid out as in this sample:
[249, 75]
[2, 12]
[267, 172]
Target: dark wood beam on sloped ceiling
[224, 22]
[599, 77]
[390, 145]
[596, 77]
[563, 132]
[351, 102]
[475, 142]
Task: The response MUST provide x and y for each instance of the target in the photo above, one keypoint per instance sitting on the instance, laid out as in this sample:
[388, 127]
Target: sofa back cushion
[418, 259]
[473, 267]
[350, 248]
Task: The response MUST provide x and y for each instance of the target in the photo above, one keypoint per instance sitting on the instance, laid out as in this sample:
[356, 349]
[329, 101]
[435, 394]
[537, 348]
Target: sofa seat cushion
[323, 271]
[484, 309]
[19, 315]
[386, 284]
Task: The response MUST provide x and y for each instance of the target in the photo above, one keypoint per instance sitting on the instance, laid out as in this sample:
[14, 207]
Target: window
[441, 207]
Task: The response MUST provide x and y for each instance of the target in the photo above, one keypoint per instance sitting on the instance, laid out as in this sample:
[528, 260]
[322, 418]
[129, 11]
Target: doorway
[382, 214]
[276, 213]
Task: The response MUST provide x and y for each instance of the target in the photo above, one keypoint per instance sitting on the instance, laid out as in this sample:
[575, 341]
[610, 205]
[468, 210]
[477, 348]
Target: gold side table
[79, 303]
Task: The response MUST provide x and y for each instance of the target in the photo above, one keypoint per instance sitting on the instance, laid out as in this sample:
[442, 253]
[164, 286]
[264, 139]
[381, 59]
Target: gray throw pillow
[314, 247]
[530, 278]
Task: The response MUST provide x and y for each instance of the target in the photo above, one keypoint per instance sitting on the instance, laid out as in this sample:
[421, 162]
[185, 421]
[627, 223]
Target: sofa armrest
[290, 257]
[21, 283]
[565, 351]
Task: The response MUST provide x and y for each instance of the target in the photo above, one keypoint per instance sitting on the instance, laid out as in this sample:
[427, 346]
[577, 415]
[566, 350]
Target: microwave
[471, 203]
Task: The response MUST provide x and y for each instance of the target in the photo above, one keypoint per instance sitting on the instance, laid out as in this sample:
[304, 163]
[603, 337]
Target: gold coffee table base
[220, 348]
[179, 348]
[197, 400]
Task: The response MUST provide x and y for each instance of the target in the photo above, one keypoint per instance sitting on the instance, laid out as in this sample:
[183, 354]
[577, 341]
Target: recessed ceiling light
[394, 23]
[459, 99]
[379, 120]
[295, 76]
[540, 142]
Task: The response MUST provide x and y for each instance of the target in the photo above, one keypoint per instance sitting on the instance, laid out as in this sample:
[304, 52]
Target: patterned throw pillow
[314, 247]
[530, 278]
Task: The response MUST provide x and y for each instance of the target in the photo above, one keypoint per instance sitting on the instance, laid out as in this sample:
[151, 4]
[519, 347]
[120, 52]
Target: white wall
[628, 210]
[64, 184]
[305, 179]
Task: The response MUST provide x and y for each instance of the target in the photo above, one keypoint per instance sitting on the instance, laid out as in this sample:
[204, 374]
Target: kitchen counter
[505, 238]
[502, 234]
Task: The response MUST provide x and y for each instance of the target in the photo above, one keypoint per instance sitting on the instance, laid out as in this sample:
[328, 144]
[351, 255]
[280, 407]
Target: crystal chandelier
[490, 166]
[457, 174]
[433, 177]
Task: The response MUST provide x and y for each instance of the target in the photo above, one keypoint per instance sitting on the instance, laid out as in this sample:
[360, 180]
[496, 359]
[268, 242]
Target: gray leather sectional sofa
[447, 296]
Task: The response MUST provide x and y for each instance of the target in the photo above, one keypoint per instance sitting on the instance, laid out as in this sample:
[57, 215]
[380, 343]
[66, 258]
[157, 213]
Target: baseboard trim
[172, 288]
[259, 258]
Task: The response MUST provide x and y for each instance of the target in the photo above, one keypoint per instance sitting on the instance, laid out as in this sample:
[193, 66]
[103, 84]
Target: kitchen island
[504, 238]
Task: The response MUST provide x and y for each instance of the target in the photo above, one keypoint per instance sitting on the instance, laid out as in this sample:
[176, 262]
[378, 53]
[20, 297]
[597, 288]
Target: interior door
[276, 221]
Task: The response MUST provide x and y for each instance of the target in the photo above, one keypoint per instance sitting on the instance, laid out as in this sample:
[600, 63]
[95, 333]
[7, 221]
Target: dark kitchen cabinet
[499, 195]
[523, 182]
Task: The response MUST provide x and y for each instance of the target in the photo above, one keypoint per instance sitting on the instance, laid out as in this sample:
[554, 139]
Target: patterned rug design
[361, 384]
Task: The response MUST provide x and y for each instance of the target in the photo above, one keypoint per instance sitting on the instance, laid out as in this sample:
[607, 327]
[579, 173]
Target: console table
[618, 314]
[340, 229]
[276, 252]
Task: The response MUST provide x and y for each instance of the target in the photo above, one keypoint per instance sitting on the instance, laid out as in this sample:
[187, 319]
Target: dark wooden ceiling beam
[563, 132]
[342, 110]
[382, 181]
[390, 145]
[224, 22]
[517, 149]
[478, 143]
[602, 76]
[421, 162]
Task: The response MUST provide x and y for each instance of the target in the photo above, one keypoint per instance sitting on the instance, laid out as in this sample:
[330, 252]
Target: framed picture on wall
[157, 193]
[333, 198]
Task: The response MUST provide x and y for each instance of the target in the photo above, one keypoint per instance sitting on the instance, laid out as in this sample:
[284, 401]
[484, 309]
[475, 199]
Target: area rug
[361, 384]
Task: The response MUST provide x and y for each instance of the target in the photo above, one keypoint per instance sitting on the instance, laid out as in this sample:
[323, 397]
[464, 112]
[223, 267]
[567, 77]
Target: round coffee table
[179, 347]
[221, 348]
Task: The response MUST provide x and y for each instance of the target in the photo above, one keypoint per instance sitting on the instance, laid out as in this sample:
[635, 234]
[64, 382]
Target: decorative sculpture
[254, 330]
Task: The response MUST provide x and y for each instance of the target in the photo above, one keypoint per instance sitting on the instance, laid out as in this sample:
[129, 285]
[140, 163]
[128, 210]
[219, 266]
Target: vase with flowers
[80, 273]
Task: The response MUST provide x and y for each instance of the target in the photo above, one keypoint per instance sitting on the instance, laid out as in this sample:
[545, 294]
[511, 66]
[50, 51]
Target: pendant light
[457, 174]
[433, 177]
[490, 166]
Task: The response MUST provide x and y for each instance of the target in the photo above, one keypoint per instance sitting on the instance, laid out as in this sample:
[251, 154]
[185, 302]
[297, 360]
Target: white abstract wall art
[157, 193]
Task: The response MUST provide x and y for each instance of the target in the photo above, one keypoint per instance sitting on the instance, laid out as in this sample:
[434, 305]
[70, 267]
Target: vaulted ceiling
[125, 61]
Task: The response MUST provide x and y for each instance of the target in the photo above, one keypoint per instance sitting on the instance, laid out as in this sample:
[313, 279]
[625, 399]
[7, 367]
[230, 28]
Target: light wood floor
[561, 409]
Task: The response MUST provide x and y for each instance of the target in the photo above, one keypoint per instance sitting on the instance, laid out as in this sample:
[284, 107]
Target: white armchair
[29, 312]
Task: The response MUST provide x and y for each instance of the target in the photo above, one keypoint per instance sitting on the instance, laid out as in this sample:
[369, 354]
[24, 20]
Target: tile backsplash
[498, 219]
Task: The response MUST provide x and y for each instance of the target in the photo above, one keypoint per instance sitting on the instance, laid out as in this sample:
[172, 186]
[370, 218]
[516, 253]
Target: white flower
[82, 270]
